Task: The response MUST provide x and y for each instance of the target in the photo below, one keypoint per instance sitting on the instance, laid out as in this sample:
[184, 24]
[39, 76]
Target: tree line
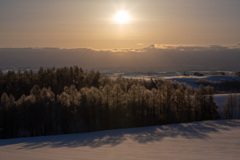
[230, 109]
[225, 86]
[71, 100]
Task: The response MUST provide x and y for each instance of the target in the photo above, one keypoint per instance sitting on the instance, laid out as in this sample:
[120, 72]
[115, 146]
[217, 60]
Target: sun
[122, 17]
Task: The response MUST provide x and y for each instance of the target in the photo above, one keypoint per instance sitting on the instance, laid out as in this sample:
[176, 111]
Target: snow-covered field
[213, 140]
[220, 98]
[189, 79]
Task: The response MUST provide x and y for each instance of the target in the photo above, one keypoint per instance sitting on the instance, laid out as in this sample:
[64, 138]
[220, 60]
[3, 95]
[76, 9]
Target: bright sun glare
[122, 17]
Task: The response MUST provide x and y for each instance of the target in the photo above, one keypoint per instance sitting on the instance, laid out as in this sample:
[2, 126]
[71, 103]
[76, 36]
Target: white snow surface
[215, 140]
[177, 76]
[221, 98]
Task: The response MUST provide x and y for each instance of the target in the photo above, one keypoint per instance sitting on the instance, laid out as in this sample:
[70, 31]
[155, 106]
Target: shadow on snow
[195, 130]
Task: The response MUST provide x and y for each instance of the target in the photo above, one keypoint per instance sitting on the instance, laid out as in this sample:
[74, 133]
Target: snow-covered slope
[220, 99]
[215, 140]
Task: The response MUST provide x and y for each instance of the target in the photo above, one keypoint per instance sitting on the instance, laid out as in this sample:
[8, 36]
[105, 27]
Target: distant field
[189, 78]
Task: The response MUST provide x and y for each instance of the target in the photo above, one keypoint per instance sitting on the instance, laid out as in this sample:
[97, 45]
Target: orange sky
[85, 23]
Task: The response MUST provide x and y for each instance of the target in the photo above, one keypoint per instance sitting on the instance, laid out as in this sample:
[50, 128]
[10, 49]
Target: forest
[224, 86]
[71, 100]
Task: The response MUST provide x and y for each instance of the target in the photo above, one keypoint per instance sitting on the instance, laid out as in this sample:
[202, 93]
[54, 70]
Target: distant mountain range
[151, 58]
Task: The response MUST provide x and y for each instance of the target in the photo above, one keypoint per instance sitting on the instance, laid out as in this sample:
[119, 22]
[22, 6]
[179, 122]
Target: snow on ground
[191, 80]
[215, 140]
[221, 98]
[177, 76]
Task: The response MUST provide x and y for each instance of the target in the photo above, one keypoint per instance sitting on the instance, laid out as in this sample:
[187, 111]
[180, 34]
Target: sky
[90, 23]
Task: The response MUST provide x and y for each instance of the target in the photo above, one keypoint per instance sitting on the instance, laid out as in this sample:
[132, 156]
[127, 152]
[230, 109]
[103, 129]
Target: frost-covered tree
[230, 107]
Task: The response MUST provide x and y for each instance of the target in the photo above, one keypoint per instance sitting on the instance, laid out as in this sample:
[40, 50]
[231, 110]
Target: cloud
[140, 44]
[151, 58]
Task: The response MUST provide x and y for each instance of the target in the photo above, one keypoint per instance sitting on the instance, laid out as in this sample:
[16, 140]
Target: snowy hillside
[220, 98]
[189, 78]
[215, 140]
